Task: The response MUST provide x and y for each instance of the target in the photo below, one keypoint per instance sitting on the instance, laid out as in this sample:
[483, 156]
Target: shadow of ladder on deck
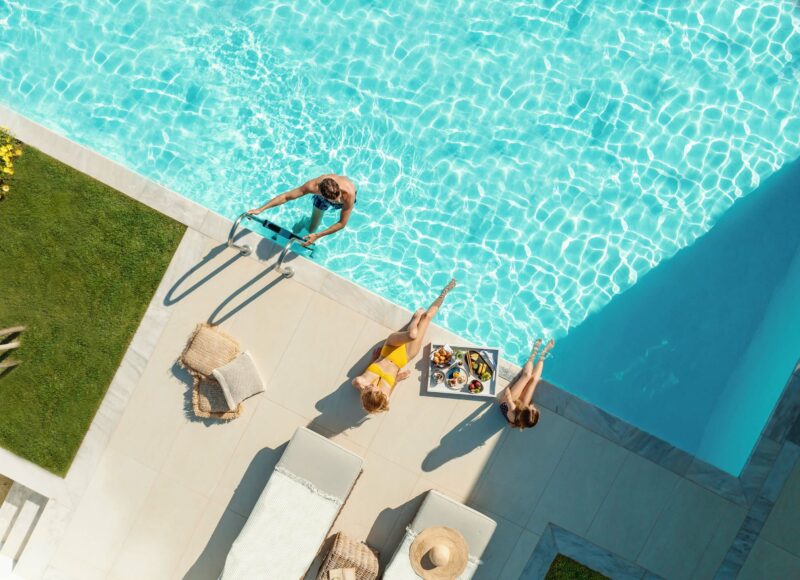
[9, 340]
[19, 514]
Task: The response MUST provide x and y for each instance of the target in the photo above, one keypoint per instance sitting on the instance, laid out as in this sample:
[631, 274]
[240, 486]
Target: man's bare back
[329, 191]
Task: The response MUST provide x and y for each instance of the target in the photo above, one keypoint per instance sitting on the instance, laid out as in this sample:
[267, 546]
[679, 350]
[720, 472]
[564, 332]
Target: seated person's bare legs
[530, 387]
[514, 391]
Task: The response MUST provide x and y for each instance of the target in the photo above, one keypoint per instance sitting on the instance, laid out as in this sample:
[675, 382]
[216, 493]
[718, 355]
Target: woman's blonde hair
[374, 401]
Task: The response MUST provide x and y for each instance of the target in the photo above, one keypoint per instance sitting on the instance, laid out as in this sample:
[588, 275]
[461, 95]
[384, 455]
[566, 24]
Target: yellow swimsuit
[398, 355]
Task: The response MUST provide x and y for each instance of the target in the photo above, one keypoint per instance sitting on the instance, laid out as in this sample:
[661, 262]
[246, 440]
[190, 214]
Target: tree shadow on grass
[7, 362]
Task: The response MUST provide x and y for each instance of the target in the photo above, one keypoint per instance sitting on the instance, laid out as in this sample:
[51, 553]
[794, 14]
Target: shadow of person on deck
[341, 409]
[467, 436]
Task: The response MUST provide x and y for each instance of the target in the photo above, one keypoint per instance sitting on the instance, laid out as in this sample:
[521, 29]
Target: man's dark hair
[329, 189]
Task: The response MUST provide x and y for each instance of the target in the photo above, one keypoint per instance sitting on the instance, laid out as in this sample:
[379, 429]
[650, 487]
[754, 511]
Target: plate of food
[479, 366]
[456, 378]
[442, 357]
[438, 378]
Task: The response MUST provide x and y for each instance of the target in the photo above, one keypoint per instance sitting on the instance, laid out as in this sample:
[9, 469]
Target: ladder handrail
[245, 250]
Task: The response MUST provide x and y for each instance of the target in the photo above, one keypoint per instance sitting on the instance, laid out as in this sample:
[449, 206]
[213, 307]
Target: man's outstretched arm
[307, 187]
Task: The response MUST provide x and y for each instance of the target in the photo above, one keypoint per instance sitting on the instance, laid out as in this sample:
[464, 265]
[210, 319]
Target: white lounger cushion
[439, 510]
[295, 511]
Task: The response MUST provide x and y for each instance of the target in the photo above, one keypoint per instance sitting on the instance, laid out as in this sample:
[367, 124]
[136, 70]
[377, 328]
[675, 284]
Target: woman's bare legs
[515, 390]
[408, 333]
[530, 387]
[415, 345]
[412, 334]
[547, 348]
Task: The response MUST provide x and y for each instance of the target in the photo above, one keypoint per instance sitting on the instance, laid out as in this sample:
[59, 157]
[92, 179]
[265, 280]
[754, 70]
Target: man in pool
[330, 191]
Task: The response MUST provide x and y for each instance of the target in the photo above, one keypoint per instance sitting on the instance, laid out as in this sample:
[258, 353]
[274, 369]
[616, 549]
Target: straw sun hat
[439, 554]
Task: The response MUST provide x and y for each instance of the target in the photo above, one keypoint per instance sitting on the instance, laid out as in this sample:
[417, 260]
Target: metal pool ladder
[245, 250]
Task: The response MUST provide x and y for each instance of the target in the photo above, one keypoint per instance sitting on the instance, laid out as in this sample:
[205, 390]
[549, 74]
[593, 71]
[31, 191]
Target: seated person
[377, 382]
[515, 401]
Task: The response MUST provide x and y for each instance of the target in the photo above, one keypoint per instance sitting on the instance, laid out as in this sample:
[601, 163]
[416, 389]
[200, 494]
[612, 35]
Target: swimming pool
[548, 154]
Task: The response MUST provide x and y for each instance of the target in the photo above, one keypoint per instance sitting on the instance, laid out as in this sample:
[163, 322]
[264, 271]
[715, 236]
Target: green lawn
[564, 568]
[79, 262]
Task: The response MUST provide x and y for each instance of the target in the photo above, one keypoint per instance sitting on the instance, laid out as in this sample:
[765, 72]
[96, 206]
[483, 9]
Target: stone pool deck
[155, 493]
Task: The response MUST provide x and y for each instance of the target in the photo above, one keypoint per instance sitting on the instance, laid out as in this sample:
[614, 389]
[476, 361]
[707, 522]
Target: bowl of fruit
[475, 387]
[442, 357]
[456, 379]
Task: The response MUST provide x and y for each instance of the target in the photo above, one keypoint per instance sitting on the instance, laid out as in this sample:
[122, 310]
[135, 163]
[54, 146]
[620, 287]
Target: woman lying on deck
[377, 382]
[515, 401]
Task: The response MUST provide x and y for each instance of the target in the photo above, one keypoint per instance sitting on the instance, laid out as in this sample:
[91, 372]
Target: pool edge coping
[757, 488]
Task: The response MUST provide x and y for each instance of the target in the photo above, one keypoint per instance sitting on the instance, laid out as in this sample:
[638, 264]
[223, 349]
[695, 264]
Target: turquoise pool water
[548, 154]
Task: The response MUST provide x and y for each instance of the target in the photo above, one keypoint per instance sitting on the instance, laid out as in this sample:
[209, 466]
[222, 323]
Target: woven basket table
[347, 553]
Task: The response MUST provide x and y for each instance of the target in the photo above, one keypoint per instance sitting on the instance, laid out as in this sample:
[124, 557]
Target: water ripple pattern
[546, 153]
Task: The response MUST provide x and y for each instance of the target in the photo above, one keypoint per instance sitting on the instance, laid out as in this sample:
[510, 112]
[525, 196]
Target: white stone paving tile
[500, 549]
[728, 524]
[686, 526]
[465, 448]
[629, 511]
[522, 465]
[205, 554]
[579, 484]
[105, 515]
[769, 562]
[377, 499]
[783, 524]
[413, 425]
[519, 556]
[166, 522]
[309, 368]
[250, 464]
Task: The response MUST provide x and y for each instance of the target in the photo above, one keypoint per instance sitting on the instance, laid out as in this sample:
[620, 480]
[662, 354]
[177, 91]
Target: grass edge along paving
[79, 264]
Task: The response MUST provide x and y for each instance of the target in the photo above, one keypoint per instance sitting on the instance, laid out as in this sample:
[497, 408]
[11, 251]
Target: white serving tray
[489, 389]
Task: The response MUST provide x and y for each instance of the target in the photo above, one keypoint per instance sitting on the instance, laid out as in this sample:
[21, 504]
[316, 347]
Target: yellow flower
[18, 152]
[6, 189]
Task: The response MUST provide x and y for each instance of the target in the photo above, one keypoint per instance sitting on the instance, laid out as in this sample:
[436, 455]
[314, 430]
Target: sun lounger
[439, 510]
[295, 511]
